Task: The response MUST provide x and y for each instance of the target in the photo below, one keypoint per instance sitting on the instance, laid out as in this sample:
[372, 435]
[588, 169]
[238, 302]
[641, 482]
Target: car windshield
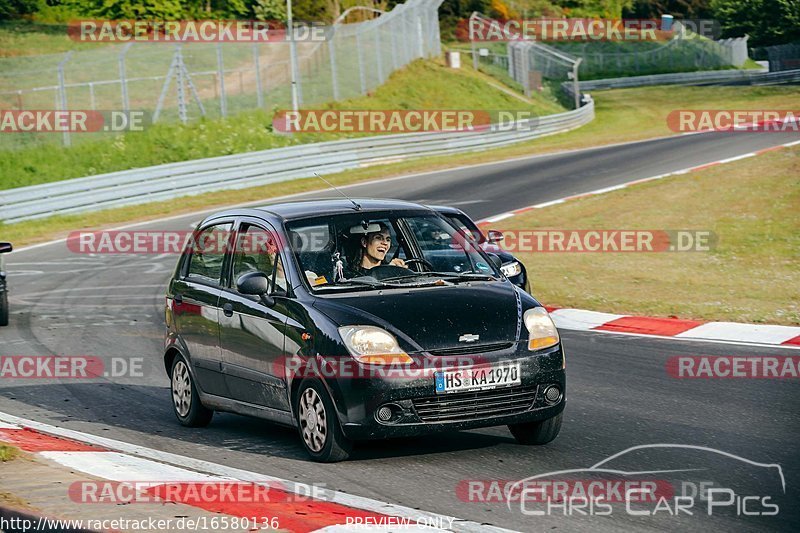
[364, 251]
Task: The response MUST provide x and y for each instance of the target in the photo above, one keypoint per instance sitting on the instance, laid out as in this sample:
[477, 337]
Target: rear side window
[208, 253]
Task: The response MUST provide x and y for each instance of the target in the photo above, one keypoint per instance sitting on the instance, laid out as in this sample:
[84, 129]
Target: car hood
[433, 318]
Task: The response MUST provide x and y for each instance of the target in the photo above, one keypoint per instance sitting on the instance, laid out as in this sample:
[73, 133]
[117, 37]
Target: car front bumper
[418, 409]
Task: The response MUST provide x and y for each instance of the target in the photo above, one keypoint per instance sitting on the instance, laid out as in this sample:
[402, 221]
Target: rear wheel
[185, 400]
[540, 432]
[4, 309]
[319, 426]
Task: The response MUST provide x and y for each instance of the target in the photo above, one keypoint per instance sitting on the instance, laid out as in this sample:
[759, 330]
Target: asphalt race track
[619, 394]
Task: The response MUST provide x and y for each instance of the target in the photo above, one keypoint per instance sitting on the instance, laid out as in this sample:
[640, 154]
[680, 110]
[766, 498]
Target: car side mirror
[496, 260]
[255, 284]
[5, 247]
[494, 236]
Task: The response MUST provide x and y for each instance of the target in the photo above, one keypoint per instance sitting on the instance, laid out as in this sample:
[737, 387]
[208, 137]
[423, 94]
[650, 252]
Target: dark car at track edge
[5, 247]
[489, 241]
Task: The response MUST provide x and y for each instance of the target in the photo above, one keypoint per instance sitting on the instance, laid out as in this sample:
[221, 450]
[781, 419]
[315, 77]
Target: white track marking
[503, 216]
[218, 470]
[497, 218]
[580, 319]
[688, 339]
[116, 466]
[732, 331]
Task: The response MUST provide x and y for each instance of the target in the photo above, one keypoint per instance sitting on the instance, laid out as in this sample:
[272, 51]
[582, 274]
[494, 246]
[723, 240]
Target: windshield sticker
[483, 267]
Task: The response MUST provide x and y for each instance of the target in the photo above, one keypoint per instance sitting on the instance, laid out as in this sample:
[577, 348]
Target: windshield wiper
[356, 283]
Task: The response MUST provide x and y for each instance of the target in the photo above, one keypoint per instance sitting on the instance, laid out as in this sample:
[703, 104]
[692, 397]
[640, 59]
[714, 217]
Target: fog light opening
[552, 394]
[388, 413]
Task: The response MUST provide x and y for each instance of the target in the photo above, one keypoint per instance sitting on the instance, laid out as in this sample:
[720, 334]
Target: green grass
[418, 86]
[752, 275]
[7, 453]
[24, 38]
[622, 115]
[640, 113]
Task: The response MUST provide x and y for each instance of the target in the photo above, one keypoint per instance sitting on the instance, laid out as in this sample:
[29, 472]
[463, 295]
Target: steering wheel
[389, 271]
[421, 261]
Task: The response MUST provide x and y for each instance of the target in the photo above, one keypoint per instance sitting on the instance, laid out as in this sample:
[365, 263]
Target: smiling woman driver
[372, 252]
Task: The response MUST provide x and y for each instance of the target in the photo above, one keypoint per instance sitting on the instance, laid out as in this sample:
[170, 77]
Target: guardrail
[716, 77]
[165, 182]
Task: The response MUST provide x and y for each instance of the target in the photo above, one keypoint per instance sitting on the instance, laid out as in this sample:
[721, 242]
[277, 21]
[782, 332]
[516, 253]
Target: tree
[610, 9]
[683, 9]
[16, 8]
[270, 10]
[765, 21]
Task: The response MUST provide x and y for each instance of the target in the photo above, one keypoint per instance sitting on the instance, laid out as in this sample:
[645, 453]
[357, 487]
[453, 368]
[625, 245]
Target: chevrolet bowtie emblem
[469, 337]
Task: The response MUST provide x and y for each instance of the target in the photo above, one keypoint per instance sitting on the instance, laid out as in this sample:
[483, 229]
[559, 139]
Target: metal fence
[172, 82]
[780, 56]
[531, 66]
[684, 52]
[719, 77]
[239, 171]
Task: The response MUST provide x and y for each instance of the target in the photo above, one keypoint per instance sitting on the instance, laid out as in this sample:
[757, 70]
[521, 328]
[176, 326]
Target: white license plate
[477, 378]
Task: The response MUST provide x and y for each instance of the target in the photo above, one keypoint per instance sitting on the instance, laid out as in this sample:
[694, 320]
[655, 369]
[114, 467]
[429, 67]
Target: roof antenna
[357, 206]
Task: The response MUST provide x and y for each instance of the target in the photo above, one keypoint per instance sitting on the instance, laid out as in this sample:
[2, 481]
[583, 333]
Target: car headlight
[373, 346]
[542, 333]
[511, 269]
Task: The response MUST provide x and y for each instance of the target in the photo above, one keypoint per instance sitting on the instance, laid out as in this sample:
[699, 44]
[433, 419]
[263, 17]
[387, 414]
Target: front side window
[256, 251]
[208, 253]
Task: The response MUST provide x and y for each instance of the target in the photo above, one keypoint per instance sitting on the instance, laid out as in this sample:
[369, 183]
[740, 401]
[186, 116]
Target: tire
[540, 432]
[318, 424]
[4, 309]
[183, 390]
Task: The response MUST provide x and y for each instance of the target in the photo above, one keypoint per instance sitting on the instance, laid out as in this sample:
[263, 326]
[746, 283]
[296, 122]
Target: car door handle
[228, 309]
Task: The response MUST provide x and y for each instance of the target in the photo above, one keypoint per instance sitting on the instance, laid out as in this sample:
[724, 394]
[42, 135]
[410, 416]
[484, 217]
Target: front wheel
[319, 426]
[540, 432]
[185, 400]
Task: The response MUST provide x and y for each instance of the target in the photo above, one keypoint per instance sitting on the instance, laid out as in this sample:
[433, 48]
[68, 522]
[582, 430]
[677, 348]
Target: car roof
[446, 209]
[286, 211]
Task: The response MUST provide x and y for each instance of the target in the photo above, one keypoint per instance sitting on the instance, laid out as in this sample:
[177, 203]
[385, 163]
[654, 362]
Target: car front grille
[477, 348]
[475, 405]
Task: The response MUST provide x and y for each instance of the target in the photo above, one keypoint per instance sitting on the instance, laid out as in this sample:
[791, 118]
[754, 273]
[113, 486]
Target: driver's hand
[398, 262]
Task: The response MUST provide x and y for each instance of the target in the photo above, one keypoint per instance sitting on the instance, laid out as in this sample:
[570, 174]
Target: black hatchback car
[356, 319]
